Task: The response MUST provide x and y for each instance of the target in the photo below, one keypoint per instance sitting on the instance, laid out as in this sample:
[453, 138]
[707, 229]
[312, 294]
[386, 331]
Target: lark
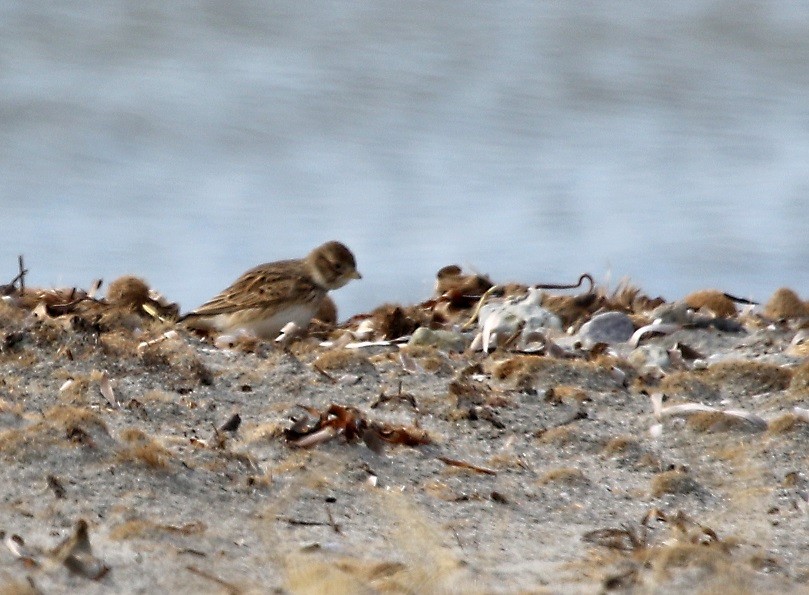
[268, 297]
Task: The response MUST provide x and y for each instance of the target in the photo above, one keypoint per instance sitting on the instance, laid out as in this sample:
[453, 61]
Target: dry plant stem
[465, 465]
[21, 275]
[582, 277]
[229, 587]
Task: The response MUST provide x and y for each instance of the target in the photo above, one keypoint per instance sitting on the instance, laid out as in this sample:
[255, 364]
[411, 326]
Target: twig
[332, 522]
[21, 276]
[303, 523]
[325, 374]
[579, 414]
[10, 287]
[465, 465]
[230, 587]
[473, 318]
[740, 300]
[574, 286]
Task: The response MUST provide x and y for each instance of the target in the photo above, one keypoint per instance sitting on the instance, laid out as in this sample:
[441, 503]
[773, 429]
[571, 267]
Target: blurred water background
[188, 141]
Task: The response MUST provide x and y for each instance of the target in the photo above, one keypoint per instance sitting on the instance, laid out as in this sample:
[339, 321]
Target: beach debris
[11, 340]
[657, 327]
[55, 484]
[441, 339]
[229, 588]
[353, 425]
[133, 294]
[642, 547]
[241, 340]
[347, 362]
[650, 358]
[607, 327]
[674, 313]
[399, 396]
[365, 330]
[801, 413]
[629, 298]
[409, 364]
[549, 433]
[16, 545]
[785, 304]
[167, 336]
[289, 332]
[631, 538]
[11, 287]
[505, 322]
[466, 465]
[461, 291]
[389, 322]
[619, 376]
[686, 352]
[232, 424]
[714, 301]
[710, 417]
[126, 295]
[74, 553]
[799, 345]
[105, 387]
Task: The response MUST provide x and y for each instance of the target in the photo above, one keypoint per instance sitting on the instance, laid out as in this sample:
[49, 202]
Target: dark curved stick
[581, 280]
[739, 300]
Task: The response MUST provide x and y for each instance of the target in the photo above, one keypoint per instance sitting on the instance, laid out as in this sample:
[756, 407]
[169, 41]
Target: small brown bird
[269, 296]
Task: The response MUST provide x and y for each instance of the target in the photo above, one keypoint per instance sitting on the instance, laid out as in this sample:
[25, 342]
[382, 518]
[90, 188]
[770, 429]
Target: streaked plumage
[268, 296]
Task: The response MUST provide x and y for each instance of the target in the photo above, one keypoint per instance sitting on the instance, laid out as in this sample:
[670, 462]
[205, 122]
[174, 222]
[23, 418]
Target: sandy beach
[141, 458]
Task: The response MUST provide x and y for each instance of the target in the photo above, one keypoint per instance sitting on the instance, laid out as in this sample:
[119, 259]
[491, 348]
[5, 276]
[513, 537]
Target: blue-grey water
[187, 141]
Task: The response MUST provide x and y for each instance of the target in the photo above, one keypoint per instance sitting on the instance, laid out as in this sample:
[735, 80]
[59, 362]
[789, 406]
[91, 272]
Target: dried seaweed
[353, 425]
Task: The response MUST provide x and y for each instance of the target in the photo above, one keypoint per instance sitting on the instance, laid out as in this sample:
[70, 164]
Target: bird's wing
[264, 286]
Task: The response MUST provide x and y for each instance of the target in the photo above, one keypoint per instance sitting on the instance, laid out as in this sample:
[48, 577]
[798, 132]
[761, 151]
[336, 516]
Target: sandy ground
[542, 473]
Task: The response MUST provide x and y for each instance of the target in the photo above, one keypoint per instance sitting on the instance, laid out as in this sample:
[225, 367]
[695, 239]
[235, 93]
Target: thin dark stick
[739, 300]
[581, 280]
[21, 276]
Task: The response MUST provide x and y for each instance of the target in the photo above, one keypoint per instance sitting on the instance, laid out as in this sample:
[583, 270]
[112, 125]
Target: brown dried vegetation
[785, 303]
[674, 481]
[344, 360]
[717, 421]
[799, 385]
[746, 378]
[141, 449]
[712, 300]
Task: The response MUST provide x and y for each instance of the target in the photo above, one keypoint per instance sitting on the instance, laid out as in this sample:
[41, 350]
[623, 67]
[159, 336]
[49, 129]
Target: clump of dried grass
[785, 303]
[142, 449]
[620, 445]
[15, 587]
[344, 360]
[713, 300]
[788, 422]
[68, 417]
[559, 435]
[525, 370]
[799, 384]
[674, 481]
[649, 554]
[142, 528]
[564, 475]
[718, 421]
[745, 378]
